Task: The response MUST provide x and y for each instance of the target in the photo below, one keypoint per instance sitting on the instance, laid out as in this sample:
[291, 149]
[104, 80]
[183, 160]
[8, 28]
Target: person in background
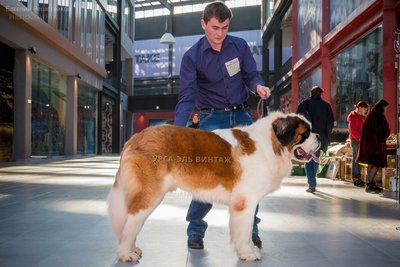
[320, 114]
[372, 150]
[216, 75]
[355, 121]
[195, 121]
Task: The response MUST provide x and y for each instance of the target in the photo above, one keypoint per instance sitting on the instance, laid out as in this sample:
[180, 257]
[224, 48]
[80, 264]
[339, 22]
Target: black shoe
[195, 242]
[256, 241]
[377, 189]
[369, 188]
[311, 190]
[373, 188]
[358, 182]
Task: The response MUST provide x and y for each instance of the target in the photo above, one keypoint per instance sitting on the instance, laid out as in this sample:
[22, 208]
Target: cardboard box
[391, 161]
[390, 183]
[333, 169]
[340, 150]
[345, 169]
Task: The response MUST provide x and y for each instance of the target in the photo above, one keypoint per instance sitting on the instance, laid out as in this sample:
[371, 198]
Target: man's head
[217, 10]
[196, 118]
[316, 90]
[215, 23]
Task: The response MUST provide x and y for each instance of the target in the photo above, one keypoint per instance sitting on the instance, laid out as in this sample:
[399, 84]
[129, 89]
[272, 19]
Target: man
[320, 114]
[215, 74]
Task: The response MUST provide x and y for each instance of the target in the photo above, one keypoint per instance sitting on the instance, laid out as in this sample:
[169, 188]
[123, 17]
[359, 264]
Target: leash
[260, 108]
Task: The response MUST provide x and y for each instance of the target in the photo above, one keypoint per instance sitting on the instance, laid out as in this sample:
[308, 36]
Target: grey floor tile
[53, 213]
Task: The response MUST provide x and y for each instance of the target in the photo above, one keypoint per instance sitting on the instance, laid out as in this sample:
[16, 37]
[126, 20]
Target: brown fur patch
[196, 159]
[276, 145]
[300, 130]
[246, 144]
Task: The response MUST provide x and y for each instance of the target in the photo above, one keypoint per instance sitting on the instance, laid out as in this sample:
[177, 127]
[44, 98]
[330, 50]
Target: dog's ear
[285, 129]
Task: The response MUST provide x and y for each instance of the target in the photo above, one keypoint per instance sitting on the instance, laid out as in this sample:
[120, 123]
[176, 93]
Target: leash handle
[260, 108]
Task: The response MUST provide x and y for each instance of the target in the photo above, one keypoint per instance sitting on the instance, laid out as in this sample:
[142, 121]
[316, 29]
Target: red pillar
[295, 76]
[325, 60]
[389, 72]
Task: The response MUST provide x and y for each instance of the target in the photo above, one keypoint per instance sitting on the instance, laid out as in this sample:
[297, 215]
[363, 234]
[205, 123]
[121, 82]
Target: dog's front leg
[240, 225]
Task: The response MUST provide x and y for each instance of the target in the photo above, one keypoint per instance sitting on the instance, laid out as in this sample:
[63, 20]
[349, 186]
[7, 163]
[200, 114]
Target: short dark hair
[316, 90]
[217, 10]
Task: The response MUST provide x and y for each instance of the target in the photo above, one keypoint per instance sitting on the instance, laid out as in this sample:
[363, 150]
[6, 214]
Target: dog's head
[294, 133]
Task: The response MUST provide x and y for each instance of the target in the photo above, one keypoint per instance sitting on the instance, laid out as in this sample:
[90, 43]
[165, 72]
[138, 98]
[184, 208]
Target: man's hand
[263, 91]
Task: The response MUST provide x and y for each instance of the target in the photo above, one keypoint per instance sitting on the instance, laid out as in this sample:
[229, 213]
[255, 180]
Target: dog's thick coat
[236, 167]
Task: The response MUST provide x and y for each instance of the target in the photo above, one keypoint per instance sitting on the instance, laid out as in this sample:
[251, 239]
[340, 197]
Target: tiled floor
[53, 213]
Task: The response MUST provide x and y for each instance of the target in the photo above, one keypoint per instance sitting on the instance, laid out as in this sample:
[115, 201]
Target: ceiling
[142, 5]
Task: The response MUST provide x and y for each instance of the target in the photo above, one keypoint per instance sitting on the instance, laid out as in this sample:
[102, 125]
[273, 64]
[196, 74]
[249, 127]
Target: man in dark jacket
[320, 114]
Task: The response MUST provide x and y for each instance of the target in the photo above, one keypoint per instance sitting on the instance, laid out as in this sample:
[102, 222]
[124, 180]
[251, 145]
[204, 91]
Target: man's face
[215, 31]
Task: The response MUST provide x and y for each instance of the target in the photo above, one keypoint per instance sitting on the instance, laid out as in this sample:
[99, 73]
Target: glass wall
[6, 102]
[309, 26]
[49, 90]
[112, 8]
[63, 16]
[128, 20]
[339, 10]
[87, 110]
[357, 75]
[306, 83]
[43, 10]
[80, 21]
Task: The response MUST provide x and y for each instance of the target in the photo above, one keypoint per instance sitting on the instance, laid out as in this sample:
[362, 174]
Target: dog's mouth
[302, 155]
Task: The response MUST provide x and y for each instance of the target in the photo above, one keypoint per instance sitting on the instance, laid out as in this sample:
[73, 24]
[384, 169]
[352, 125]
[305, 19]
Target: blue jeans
[311, 168]
[211, 120]
[355, 167]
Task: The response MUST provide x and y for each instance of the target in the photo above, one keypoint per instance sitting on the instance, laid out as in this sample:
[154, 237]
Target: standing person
[320, 114]
[372, 149]
[195, 121]
[356, 120]
[215, 74]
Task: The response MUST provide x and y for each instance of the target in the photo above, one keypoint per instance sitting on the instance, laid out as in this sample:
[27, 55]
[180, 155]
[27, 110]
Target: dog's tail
[117, 210]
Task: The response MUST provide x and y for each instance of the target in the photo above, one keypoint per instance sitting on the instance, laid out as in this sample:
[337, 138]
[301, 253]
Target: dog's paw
[137, 251]
[128, 256]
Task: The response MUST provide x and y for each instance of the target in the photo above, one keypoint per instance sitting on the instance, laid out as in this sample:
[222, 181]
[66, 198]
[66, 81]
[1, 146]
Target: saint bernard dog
[236, 167]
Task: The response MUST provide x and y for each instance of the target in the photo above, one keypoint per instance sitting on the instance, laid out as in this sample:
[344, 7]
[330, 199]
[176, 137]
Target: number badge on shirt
[233, 66]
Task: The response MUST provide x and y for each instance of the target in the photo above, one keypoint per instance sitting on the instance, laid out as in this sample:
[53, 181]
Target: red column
[325, 60]
[295, 77]
[389, 72]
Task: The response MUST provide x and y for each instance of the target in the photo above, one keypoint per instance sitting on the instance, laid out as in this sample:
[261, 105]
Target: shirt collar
[206, 45]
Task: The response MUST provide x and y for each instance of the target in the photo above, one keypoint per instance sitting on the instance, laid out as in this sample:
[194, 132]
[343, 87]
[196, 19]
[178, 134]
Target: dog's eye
[302, 137]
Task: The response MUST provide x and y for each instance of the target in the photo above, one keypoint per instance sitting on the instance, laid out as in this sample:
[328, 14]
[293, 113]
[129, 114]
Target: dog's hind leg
[240, 226]
[127, 250]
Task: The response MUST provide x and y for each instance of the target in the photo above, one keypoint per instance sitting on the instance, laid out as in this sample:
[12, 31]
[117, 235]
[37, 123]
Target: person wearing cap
[355, 121]
[217, 74]
[320, 114]
[372, 150]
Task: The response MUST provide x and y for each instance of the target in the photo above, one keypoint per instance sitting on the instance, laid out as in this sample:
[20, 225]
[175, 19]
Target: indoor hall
[53, 213]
